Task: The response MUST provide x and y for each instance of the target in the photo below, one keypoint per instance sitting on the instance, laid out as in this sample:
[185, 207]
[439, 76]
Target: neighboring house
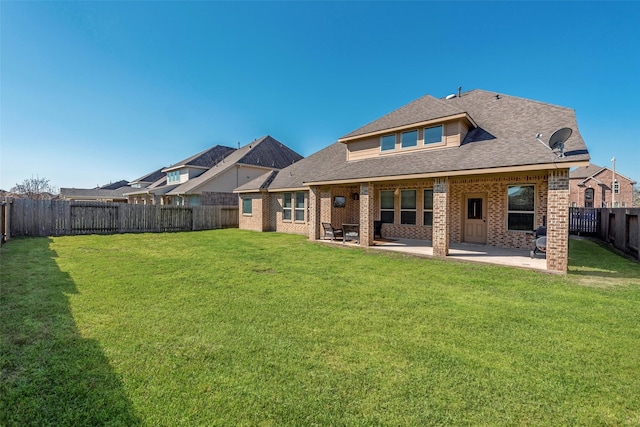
[594, 186]
[465, 168]
[113, 192]
[210, 177]
[148, 179]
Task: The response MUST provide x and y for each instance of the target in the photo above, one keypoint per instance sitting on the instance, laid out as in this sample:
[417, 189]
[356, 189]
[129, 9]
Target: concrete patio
[462, 251]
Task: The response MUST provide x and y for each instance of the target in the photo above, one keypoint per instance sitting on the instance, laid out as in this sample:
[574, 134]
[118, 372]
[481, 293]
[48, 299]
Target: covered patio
[461, 251]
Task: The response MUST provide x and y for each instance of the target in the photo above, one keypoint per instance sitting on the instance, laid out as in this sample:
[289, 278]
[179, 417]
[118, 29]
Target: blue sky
[95, 92]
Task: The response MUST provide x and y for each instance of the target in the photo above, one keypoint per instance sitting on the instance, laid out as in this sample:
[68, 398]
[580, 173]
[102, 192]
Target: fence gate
[584, 221]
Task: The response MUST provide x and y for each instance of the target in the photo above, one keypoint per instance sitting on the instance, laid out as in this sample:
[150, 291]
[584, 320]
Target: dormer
[425, 124]
[181, 174]
[432, 134]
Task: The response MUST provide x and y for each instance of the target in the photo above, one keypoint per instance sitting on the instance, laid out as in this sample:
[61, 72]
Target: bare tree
[34, 188]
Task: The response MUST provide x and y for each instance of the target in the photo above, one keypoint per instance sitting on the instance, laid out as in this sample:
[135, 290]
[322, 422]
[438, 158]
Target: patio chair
[351, 232]
[329, 231]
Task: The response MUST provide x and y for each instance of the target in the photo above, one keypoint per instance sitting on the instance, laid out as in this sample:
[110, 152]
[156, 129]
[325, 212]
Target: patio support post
[558, 220]
[314, 213]
[440, 239]
[366, 216]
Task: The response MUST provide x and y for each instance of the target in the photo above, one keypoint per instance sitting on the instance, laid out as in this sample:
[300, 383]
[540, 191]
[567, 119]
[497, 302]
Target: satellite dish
[557, 140]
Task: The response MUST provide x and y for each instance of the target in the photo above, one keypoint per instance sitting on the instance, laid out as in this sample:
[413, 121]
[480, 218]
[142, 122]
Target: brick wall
[558, 220]
[441, 217]
[259, 218]
[495, 188]
[601, 190]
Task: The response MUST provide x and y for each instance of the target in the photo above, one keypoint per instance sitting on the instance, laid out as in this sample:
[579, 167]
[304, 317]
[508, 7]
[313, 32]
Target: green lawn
[230, 327]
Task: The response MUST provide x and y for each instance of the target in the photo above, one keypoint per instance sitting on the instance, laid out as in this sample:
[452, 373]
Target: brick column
[558, 220]
[366, 217]
[440, 240]
[314, 213]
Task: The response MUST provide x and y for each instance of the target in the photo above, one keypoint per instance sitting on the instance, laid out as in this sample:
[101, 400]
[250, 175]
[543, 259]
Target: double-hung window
[433, 135]
[408, 207]
[428, 207]
[286, 206]
[247, 206]
[173, 176]
[409, 139]
[388, 142]
[521, 207]
[299, 206]
[386, 206]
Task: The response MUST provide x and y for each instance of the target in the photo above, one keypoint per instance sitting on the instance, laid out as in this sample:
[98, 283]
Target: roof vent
[453, 95]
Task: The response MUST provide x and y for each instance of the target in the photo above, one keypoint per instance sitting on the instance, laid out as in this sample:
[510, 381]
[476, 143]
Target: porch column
[440, 240]
[366, 215]
[314, 213]
[558, 220]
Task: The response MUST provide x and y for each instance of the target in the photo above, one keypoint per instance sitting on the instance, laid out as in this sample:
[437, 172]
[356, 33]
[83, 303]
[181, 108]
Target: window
[433, 135]
[286, 206]
[428, 207]
[588, 198]
[173, 176]
[247, 206]
[409, 139]
[408, 207]
[387, 142]
[386, 206]
[521, 208]
[299, 209]
[616, 187]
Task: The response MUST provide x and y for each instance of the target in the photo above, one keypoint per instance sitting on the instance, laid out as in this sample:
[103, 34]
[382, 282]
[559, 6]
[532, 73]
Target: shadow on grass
[595, 259]
[49, 373]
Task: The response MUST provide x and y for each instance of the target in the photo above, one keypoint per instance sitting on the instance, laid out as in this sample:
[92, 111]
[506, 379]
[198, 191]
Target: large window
[247, 206]
[408, 207]
[616, 187]
[299, 207]
[428, 208]
[286, 206]
[521, 208]
[386, 206]
[409, 139]
[433, 135]
[388, 142]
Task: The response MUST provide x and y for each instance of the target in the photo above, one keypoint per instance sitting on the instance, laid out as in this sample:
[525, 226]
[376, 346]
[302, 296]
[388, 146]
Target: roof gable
[419, 110]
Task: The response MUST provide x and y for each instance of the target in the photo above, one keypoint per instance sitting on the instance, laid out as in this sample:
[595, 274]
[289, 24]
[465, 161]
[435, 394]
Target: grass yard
[230, 327]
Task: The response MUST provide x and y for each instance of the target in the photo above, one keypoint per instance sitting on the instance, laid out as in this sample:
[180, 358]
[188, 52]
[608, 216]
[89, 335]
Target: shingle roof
[421, 109]
[150, 177]
[294, 176]
[94, 193]
[585, 171]
[505, 137]
[264, 152]
[115, 185]
[206, 158]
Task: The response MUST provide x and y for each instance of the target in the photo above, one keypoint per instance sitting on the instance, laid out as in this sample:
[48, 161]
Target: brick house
[593, 186]
[209, 177]
[464, 168]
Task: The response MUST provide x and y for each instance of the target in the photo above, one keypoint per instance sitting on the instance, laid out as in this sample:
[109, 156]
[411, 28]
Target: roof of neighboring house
[265, 152]
[115, 185]
[204, 159]
[150, 177]
[94, 193]
[590, 171]
[505, 137]
[294, 176]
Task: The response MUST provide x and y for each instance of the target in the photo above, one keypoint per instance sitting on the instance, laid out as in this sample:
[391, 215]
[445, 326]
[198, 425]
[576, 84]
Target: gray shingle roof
[264, 152]
[94, 193]
[150, 177]
[206, 158]
[419, 110]
[585, 171]
[505, 137]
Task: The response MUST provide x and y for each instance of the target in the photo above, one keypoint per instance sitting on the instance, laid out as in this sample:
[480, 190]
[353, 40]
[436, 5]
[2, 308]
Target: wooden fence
[24, 217]
[621, 228]
[584, 221]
